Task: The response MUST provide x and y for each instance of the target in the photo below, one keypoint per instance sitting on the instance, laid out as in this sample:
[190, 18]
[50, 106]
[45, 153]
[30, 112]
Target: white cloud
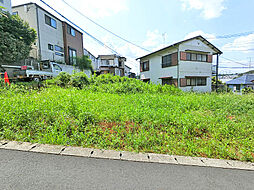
[99, 8]
[210, 37]
[242, 44]
[91, 8]
[209, 8]
[153, 38]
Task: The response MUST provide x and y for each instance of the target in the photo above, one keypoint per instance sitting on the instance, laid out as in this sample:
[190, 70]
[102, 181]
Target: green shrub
[79, 80]
[247, 90]
[121, 85]
[63, 79]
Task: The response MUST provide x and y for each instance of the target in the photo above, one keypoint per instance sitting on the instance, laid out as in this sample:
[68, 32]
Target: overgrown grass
[158, 119]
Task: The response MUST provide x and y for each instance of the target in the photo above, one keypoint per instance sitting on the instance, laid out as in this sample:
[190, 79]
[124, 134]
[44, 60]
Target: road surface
[26, 170]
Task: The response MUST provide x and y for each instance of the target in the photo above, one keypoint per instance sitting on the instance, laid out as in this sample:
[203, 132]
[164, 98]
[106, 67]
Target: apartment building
[73, 44]
[112, 64]
[186, 64]
[49, 44]
[7, 5]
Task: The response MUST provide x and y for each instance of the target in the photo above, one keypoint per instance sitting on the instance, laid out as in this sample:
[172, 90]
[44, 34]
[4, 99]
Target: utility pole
[250, 63]
[217, 72]
[164, 38]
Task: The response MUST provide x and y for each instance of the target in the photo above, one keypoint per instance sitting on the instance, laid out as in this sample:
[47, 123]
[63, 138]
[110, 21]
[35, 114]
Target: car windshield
[57, 68]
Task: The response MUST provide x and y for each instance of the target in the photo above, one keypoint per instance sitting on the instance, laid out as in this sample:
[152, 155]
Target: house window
[59, 54]
[196, 57]
[144, 66]
[15, 13]
[51, 47]
[57, 67]
[201, 81]
[58, 48]
[196, 81]
[71, 30]
[238, 87]
[199, 57]
[146, 80]
[193, 57]
[105, 62]
[111, 62]
[167, 81]
[166, 61]
[204, 58]
[50, 21]
[72, 56]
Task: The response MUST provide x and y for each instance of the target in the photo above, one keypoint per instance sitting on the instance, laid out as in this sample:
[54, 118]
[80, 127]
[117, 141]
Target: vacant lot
[207, 125]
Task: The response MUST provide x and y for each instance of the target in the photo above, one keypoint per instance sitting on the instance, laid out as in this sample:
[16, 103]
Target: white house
[127, 71]
[7, 5]
[49, 44]
[93, 59]
[186, 64]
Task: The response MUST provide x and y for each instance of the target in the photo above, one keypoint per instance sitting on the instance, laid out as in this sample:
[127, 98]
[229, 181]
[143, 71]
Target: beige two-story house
[186, 64]
[49, 44]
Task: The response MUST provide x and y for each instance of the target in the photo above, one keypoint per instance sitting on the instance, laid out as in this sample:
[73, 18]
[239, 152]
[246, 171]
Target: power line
[104, 27]
[94, 38]
[98, 41]
[238, 49]
[237, 67]
[232, 35]
[234, 61]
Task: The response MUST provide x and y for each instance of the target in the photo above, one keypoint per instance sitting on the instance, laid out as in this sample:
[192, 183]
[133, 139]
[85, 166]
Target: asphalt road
[26, 170]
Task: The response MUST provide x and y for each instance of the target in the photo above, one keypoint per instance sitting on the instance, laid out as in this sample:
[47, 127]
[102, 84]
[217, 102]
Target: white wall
[190, 68]
[156, 71]
[50, 35]
[7, 5]
[93, 59]
[71, 70]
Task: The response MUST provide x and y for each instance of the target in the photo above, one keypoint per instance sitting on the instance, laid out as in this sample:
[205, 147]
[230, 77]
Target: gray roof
[201, 38]
[245, 79]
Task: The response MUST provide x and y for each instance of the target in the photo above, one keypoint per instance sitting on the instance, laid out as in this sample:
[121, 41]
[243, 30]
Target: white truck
[37, 72]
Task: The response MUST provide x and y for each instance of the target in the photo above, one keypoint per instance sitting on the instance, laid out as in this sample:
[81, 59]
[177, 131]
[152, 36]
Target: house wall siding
[194, 68]
[7, 5]
[50, 35]
[45, 33]
[28, 14]
[155, 67]
[74, 42]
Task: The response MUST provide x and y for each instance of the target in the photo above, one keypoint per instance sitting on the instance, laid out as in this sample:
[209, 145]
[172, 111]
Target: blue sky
[145, 21]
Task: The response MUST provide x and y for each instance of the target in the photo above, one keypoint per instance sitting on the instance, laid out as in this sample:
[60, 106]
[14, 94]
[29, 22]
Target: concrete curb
[123, 155]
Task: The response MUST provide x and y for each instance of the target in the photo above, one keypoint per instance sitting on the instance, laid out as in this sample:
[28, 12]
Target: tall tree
[16, 38]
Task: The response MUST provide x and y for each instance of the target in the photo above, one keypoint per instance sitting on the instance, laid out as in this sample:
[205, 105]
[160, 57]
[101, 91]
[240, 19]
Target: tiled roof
[197, 37]
[245, 79]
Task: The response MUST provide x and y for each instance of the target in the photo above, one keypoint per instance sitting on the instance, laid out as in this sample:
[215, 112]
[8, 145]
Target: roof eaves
[202, 39]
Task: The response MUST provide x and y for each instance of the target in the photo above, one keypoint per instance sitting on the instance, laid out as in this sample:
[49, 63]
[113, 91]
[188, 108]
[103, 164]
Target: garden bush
[79, 80]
